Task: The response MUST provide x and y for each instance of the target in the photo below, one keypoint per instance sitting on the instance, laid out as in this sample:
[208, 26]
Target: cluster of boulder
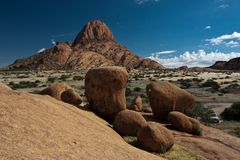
[153, 136]
[105, 91]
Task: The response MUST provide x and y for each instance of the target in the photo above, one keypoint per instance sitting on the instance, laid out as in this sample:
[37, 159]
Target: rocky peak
[93, 31]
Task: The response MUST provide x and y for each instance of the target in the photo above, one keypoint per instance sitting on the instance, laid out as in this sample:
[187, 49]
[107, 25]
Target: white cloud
[53, 42]
[145, 1]
[230, 40]
[232, 44]
[194, 59]
[208, 27]
[41, 50]
[223, 6]
[164, 52]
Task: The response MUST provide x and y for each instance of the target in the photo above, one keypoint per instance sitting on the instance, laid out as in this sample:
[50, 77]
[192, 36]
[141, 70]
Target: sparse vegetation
[231, 127]
[178, 152]
[132, 141]
[200, 111]
[197, 132]
[64, 77]
[232, 113]
[137, 89]
[214, 86]
[51, 79]
[23, 84]
[128, 91]
[78, 78]
[185, 83]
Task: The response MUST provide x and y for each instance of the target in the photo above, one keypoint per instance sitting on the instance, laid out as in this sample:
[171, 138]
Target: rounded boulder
[165, 97]
[155, 137]
[128, 122]
[183, 123]
[71, 97]
[105, 90]
[55, 90]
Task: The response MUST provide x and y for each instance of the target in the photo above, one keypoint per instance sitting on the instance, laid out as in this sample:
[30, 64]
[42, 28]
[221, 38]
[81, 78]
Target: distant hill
[232, 64]
[94, 46]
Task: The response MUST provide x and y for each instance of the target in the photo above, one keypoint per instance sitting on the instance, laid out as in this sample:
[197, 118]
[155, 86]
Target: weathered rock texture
[71, 97]
[128, 122]
[55, 90]
[105, 90]
[155, 137]
[93, 31]
[136, 104]
[165, 97]
[183, 123]
[40, 127]
[94, 46]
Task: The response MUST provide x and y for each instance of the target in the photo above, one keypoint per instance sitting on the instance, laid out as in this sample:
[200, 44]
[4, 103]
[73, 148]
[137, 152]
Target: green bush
[37, 81]
[162, 150]
[236, 131]
[51, 79]
[137, 89]
[64, 77]
[199, 110]
[185, 83]
[132, 141]
[211, 83]
[78, 78]
[23, 84]
[197, 80]
[232, 113]
[23, 76]
[128, 92]
[197, 132]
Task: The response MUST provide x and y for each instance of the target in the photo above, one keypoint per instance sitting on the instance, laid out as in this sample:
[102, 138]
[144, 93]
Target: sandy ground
[218, 107]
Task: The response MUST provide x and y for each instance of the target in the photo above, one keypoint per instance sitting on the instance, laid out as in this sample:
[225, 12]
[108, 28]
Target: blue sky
[173, 32]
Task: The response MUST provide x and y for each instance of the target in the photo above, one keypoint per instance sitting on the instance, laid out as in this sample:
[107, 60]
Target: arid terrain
[75, 123]
[120, 80]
